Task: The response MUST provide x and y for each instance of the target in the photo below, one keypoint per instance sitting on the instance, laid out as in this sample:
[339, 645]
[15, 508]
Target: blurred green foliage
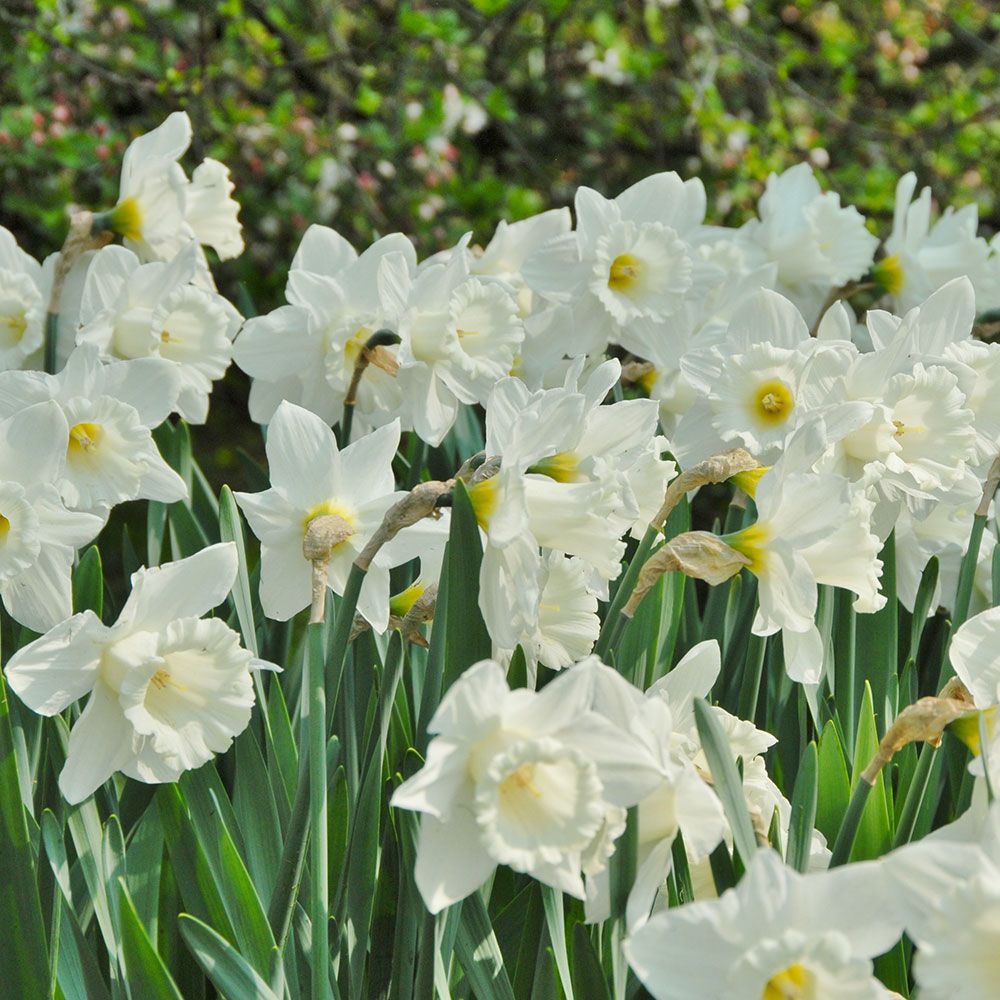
[438, 117]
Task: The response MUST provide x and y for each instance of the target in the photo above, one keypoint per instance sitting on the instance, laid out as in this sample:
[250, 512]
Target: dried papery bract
[422, 610]
[716, 469]
[422, 501]
[80, 238]
[989, 488]
[322, 536]
[698, 554]
[636, 371]
[925, 720]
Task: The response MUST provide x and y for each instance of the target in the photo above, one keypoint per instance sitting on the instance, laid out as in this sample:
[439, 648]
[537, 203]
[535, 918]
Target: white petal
[33, 444]
[60, 667]
[99, 743]
[150, 385]
[975, 655]
[451, 861]
[186, 588]
[41, 596]
[278, 345]
[302, 456]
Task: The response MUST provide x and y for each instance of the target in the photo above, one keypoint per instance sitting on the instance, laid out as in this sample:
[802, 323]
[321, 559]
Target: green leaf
[23, 958]
[589, 979]
[148, 977]
[232, 976]
[803, 816]
[726, 778]
[874, 835]
[466, 638]
[88, 583]
[878, 638]
[478, 952]
[834, 783]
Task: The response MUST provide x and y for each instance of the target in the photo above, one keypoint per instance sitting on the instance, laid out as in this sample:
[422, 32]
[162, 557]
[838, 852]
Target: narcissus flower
[38, 536]
[306, 351]
[777, 935]
[132, 310]
[110, 454]
[519, 778]
[923, 257]
[817, 243]
[310, 477]
[159, 209]
[22, 303]
[168, 689]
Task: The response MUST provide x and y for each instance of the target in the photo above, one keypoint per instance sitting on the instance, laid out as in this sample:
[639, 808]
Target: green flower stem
[615, 621]
[915, 795]
[849, 827]
[51, 341]
[319, 895]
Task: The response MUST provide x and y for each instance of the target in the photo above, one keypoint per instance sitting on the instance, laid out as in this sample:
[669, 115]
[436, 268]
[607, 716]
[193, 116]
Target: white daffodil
[922, 257]
[38, 536]
[693, 677]
[521, 778]
[306, 351]
[777, 935]
[681, 802]
[512, 244]
[110, 453]
[168, 689]
[943, 534]
[630, 263]
[159, 210]
[817, 243]
[311, 477]
[566, 626]
[459, 337]
[132, 310]
[22, 304]
[758, 383]
[811, 528]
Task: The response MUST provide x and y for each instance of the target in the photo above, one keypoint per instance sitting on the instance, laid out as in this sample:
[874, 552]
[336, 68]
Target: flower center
[773, 402]
[793, 983]
[84, 439]
[12, 328]
[4, 529]
[625, 272]
[521, 780]
[125, 219]
[160, 679]
[888, 274]
[329, 508]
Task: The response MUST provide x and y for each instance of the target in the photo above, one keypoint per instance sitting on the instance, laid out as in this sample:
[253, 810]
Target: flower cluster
[571, 384]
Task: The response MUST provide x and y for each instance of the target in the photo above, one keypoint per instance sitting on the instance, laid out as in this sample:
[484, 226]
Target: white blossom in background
[168, 688]
[522, 778]
[110, 410]
[23, 293]
[777, 934]
[159, 209]
[459, 336]
[757, 383]
[818, 244]
[630, 262]
[922, 257]
[38, 535]
[305, 352]
[132, 310]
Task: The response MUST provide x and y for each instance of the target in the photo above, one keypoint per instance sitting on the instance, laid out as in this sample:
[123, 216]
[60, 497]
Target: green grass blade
[230, 973]
[803, 816]
[148, 976]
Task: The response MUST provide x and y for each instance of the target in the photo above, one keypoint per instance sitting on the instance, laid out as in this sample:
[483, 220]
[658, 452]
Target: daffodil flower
[519, 778]
[777, 935]
[110, 455]
[310, 477]
[38, 536]
[23, 291]
[168, 688]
